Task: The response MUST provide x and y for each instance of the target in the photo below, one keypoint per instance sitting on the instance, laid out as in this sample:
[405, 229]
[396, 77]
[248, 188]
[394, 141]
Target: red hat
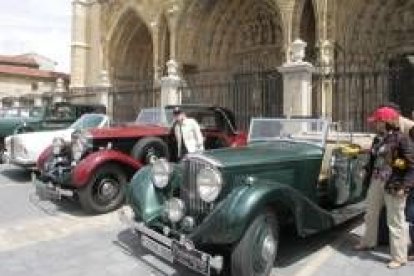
[384, 114]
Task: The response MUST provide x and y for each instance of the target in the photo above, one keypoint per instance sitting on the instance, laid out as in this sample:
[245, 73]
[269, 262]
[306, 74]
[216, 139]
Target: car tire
[105, 191]
[147, 148]
[256, 252]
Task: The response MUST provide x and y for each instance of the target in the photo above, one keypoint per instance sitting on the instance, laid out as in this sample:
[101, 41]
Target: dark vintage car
[229, 204]
[55, 116]
[98, 163]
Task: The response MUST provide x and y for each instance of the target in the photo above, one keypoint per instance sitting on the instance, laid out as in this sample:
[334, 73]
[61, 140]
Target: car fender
[41, 160]
[232, 216]
[85, 169]
[144, 198]
[239, 140]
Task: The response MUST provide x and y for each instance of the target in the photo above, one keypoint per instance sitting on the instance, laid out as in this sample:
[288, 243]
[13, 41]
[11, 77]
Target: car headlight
[79, 147]
[161, 171]
[209, 184]
[58, 145]
[175, 209]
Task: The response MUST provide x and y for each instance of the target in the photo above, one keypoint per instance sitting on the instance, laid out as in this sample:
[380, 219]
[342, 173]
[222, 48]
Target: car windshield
[88, 121]
[36, 111]
[155, 116]
[312, 131]
[60, 112]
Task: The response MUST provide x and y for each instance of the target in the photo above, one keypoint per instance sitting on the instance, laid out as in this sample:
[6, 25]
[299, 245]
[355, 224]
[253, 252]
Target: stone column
[105, 96]
[327, 81]
[38, 100]
[16, 102]
[297, 82]
[170, 85]
[156, 49]
[59, 93]
[173, 16]
[79, 46]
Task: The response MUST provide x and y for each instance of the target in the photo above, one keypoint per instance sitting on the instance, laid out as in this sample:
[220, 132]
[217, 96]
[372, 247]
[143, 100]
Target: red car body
[123, 148]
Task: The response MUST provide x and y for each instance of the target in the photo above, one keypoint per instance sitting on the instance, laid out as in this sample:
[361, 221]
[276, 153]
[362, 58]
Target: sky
[40, 26]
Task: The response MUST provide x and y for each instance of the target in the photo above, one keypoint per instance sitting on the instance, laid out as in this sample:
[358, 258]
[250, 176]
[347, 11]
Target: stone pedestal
[16, 102]
[38, 101]
[105, 96]
[297, 83]
[170, 85]
[58, 97]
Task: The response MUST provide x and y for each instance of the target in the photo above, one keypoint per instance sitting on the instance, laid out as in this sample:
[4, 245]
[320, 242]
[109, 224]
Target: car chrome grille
[195, 206]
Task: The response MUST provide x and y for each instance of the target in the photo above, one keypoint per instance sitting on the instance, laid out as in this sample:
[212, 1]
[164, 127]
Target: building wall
[103, 34]
[133, 40]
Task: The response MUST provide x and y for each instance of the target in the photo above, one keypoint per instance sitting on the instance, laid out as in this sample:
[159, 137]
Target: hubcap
[268, 248]
[107, 189]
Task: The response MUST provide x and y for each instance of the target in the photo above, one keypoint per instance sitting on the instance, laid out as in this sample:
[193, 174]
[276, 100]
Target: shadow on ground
[292, 248]
[15, 174]
[129, 242]
[68, 206]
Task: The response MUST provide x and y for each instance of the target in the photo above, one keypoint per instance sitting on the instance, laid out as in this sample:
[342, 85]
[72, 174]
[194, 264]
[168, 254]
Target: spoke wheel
[255, 253]
[105, 191]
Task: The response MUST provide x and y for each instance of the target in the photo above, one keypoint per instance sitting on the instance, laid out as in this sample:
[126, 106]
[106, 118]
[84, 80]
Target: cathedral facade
[132, 40]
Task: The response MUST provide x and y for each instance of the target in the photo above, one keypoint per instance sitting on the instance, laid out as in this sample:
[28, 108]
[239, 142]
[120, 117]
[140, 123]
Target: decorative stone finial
[298, 50]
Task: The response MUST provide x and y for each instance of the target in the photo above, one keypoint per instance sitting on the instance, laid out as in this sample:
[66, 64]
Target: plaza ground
[44, 238]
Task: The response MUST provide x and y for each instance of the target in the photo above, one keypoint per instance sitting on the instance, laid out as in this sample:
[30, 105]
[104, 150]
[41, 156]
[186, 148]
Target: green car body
[282, 177]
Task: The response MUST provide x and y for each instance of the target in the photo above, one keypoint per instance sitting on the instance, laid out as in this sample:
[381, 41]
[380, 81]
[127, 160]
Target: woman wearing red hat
[393, 166]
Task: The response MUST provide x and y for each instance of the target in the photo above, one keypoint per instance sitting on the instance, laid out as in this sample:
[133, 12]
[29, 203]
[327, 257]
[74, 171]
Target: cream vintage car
[24, 149]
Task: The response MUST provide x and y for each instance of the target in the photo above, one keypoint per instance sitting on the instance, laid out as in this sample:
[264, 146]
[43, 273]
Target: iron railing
[248, 94]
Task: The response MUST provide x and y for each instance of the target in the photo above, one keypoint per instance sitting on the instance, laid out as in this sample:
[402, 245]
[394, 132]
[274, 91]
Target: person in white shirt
[187, 133]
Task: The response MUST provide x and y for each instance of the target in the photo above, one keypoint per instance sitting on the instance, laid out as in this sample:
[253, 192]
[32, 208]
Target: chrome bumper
[48, 191]
[172, 250]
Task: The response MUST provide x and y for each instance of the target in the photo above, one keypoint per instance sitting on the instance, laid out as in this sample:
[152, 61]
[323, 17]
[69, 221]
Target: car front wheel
[105, 190]
[255, 253]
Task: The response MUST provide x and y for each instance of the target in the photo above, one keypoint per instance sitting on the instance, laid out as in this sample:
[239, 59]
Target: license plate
[191, 258]
[157, 248]
[45, 191]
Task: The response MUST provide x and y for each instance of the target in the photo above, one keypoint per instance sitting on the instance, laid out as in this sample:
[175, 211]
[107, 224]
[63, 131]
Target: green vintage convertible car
[225, 207]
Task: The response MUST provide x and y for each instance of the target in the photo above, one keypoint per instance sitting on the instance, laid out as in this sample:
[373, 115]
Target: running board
[348, 212]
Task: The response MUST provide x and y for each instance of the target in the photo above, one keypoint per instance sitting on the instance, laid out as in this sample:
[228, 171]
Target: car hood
[42, 137]
[35, 143]
[264, 153]
[128, 131]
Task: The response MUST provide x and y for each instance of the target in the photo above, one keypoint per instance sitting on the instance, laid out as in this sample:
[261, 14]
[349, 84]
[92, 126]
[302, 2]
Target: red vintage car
[98, 163]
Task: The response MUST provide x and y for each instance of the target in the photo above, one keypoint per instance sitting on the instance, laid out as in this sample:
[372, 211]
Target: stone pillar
[16, 102]
[327, 81]
[79, 46]
[59, 93]
[173, 17]
[105, 96]
[38, 101]
[170, 85]
[156, 49]
[297, 82]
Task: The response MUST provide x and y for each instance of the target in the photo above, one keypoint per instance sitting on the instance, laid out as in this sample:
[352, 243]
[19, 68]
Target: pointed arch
[130, 48]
